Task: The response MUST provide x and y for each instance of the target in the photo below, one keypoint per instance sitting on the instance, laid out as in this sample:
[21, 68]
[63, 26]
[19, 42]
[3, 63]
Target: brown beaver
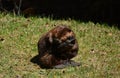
[57, 47]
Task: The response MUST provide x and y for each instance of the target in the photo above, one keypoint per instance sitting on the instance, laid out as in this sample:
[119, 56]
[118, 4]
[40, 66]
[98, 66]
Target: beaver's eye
[70, 38]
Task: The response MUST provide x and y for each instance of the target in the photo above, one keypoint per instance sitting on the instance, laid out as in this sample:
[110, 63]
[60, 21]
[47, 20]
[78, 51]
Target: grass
[99, 48]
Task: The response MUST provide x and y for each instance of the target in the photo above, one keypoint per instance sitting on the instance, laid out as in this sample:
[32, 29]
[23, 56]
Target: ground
[99, 48]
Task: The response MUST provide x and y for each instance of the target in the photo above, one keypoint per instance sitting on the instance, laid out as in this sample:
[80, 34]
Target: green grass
[99, 48]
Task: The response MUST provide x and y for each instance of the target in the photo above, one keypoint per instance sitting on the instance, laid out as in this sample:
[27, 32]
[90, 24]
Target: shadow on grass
[35, 60]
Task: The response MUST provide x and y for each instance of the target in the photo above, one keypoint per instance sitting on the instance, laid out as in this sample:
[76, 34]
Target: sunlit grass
[99, 48]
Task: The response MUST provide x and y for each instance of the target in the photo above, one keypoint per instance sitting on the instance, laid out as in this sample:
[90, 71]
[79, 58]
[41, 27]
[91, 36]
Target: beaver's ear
[50, 37]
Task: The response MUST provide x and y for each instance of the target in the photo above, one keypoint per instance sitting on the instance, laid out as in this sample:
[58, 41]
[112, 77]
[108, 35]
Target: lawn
[99, 48]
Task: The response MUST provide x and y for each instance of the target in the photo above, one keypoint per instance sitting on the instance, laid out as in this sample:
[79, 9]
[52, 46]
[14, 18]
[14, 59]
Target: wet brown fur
[54, 49]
